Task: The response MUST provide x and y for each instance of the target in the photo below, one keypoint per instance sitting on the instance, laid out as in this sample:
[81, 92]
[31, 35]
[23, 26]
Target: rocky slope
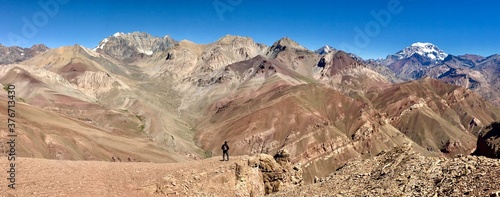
[470, 71]
[436, 115]
[294, 55]
[324, 50]
[324, 128]
[132, 46]
[403, 172]
[342, 72]
[428, 50]
[241, 176]
[86, 85]
[187, 98]
[488, 142]
[53, 135]
[400, 171]
[15, 54]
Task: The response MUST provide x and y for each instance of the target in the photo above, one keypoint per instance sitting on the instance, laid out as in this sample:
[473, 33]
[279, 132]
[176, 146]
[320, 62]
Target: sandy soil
[42, 177]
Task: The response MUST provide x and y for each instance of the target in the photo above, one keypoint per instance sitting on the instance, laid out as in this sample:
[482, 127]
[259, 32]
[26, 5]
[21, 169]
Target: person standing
[225, 151]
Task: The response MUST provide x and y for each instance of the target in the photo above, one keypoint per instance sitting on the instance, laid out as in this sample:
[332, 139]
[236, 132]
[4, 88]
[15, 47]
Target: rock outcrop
[403, 172]
[488, 142]
[278, 173]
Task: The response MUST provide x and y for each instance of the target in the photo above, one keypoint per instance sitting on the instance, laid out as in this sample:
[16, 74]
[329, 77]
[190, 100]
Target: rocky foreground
[403, 172]
[241, 176]
[398, 172]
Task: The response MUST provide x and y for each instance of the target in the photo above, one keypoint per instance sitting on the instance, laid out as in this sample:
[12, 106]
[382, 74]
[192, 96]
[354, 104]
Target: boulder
[277, 171]
[488, 142]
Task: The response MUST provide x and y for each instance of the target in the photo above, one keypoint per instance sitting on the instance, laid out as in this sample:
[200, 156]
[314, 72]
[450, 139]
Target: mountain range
[18, 54]
[421, 60]
[156, 99]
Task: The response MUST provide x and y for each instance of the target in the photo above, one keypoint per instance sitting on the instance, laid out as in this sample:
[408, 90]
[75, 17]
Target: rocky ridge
[131, 46]
[422, 60]
[488, 142]
[403, 172]
[424, 49]
[256, 175]
[15, 54]
[327, 110]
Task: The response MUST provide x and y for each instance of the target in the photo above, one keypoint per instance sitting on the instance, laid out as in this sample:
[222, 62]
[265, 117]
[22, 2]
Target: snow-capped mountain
[424, 49]
[129, 46]
[324, 50]
[421, 60]
[409, 62]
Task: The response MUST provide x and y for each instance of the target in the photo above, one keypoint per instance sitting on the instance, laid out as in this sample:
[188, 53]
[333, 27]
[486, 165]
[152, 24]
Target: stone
[488, 142]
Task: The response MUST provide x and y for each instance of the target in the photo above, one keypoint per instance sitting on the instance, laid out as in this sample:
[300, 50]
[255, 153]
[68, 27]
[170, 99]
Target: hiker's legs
[224, 156]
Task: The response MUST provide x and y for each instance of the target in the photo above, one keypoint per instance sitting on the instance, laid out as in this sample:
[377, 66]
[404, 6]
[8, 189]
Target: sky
[370, 29]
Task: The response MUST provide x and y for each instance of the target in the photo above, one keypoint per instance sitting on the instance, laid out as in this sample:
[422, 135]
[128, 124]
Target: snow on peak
[421, 44]
[147, 52]
[105, 40]
[324, 50]
[424, 49]
[101, 44]
[117, 34]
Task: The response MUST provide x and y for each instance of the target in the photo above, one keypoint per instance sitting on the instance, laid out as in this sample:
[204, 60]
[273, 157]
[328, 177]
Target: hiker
[225, 151]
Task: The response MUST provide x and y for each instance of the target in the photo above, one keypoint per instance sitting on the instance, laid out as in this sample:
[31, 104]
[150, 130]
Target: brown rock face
[403, 172]
[488, 142]
[278, 173]
[341, 61]
[131, 47]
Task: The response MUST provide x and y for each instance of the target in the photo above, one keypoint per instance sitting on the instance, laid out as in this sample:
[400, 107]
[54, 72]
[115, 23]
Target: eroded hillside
[403, 172]
[160, 100]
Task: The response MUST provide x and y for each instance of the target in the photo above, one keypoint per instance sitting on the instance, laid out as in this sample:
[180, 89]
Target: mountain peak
[421, 44]
[425, 49]
[227, 39]
[286, 42]
[117, 34]
[39, 47]
[324, 50]
[132, 45]
[15, 54]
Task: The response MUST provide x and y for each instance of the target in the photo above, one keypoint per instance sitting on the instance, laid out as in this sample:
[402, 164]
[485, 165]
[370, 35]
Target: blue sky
[457, 27]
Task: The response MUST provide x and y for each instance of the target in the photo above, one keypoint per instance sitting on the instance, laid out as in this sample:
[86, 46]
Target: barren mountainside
[153, 99]
[403, 172]
[14, 54]
[475, 72]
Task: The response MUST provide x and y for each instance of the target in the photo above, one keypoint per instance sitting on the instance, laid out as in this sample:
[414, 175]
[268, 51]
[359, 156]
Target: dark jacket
[225, 147]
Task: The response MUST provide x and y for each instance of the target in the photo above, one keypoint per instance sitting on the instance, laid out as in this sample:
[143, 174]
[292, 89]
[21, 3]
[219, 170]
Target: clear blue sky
[457, 27]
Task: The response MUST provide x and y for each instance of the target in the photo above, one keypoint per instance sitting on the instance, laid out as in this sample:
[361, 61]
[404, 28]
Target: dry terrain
[402, 172]
[396, 172]
[240, 176]
[43, 177]
[148, 99]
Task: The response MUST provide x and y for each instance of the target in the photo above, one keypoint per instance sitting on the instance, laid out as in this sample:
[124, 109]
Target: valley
[156, 100]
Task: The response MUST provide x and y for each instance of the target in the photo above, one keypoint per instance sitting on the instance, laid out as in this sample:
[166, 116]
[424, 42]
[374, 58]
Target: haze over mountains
[157, 99]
